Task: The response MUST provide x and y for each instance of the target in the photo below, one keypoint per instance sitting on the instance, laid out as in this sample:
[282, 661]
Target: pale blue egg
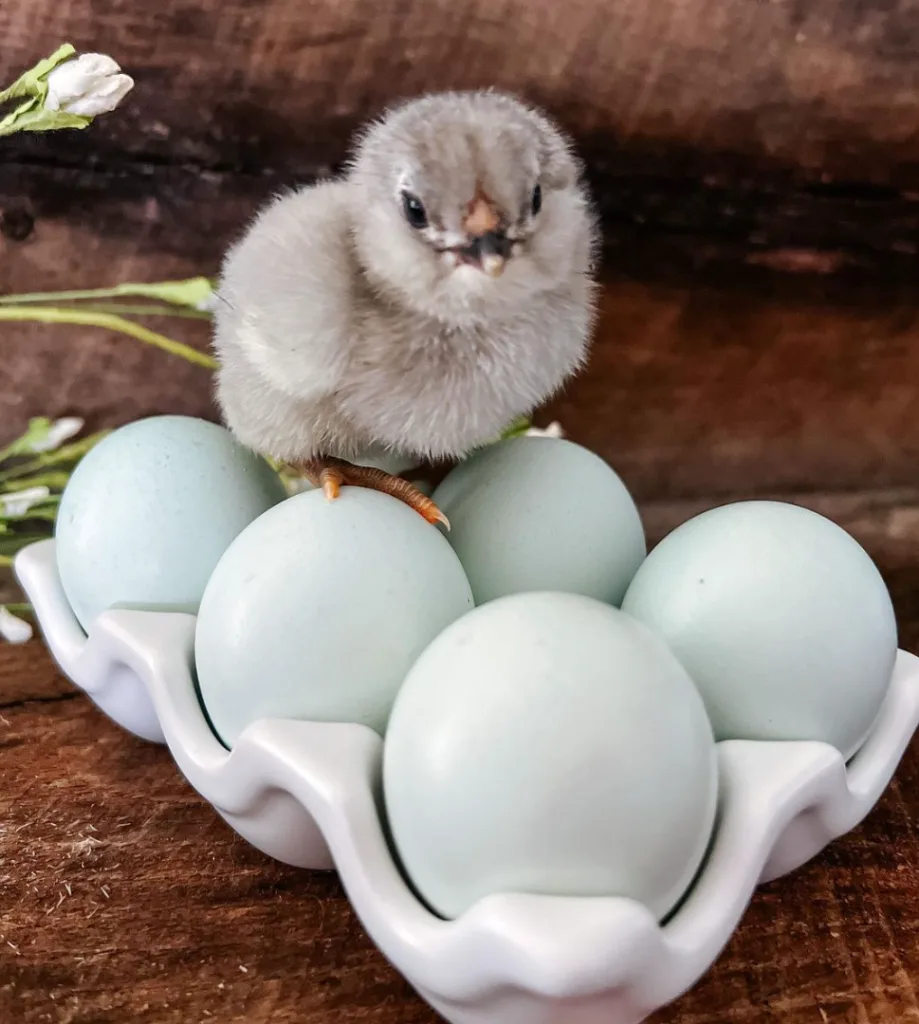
[549, 743]
[539, 513]
[780, 617]
[150, 510]
[318, 610]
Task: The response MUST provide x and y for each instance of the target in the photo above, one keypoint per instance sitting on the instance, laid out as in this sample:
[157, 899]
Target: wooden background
[757, 168]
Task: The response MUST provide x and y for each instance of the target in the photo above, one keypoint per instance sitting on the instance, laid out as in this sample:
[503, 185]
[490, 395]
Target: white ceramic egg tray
[309, 794]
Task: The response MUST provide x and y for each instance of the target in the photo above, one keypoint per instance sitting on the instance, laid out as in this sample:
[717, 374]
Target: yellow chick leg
[332, 474]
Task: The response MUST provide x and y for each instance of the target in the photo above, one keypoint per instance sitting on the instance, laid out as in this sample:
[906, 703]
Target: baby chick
[436, 292]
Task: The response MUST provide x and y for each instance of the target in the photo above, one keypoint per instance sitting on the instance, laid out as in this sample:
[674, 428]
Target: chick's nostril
[483, 216]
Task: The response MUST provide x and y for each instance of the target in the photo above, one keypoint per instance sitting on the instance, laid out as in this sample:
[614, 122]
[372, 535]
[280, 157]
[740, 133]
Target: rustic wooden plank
[24, 676]
[700, 384]
[829, 88]
[94, 235]
[657, 223]
[125, 898]
[714, 392]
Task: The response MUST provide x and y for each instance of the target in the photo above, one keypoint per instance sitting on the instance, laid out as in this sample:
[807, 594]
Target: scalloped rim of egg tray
[308, 794]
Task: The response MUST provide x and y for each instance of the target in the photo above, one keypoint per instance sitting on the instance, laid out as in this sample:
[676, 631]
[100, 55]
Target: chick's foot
[332, 474]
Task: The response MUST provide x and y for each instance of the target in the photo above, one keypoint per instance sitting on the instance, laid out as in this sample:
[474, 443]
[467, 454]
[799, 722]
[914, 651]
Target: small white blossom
[13, 629]
[60, 431]
[17, 503]
[91, 84]
[553, 430]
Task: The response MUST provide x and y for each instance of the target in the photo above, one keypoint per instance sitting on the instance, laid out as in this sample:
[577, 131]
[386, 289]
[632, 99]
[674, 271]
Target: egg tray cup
[309, 794]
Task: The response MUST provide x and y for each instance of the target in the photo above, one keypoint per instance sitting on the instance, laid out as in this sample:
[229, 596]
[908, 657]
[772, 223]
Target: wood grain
[702, 384]
[124, 897]
[828, 88]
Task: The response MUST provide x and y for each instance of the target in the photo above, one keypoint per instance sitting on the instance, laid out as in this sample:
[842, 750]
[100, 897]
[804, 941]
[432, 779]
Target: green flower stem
[13, 542]
[109, 321]
[57, 481]
[34, 513]
[188, 293]
[66, 453]
[71, 296]
[516, 429]
[138, 310]
[19, 608]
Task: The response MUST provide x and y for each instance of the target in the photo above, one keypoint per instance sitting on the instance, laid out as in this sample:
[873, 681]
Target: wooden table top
[124, 898]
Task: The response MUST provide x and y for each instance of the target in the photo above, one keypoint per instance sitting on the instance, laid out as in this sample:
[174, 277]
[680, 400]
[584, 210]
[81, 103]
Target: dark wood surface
[826, 87]
[771, 132]
[124, 898]
[708, 384]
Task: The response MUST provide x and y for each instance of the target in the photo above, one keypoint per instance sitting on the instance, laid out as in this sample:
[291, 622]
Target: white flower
[60, 431]
[13, 629]
[90, 85]
[19, 502]
[553, 430]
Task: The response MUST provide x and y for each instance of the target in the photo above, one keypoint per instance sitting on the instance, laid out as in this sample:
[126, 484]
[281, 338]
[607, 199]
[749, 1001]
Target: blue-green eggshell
[149, 511]
[318, 610]
[780, 617]
[548, 743]
[539, 513]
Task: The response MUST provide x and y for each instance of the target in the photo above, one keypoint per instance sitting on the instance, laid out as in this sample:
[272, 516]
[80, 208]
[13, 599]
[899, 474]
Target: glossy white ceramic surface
[308, 794]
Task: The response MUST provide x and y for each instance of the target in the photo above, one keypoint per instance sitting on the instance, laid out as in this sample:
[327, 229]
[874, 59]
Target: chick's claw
[332, 474]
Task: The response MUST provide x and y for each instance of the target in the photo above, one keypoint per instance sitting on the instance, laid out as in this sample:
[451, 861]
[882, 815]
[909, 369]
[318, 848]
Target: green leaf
[34, 81]
[54, 481]
[10, 543]
[38, 431]
[42, 512]
[519, 426]
[37, 76]
[32, 86]
[20, 608]
[8, 123]
[36, 118]
[66, 453]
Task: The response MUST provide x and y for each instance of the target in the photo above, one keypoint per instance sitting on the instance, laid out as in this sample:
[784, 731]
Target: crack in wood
[22, 702]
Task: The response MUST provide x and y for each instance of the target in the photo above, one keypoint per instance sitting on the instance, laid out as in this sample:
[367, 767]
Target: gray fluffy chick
[439, 290]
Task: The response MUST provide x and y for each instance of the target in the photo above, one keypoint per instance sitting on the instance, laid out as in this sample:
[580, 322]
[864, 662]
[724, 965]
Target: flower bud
[89, 85]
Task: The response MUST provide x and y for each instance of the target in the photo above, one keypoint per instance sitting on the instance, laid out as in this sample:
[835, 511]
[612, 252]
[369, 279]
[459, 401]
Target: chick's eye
[413, 209]
[536, 201]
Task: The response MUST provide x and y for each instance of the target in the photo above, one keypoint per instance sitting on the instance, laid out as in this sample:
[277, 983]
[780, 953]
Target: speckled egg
[318, 610]
[548, 743]
[781, 619]
[540, 513]
[150, 510]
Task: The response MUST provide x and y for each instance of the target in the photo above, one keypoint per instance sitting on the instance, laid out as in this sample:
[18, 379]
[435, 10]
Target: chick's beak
[489, 248]
[489, 252]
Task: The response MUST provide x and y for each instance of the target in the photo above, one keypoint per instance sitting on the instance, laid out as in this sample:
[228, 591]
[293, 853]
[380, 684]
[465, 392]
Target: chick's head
[469, 203]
